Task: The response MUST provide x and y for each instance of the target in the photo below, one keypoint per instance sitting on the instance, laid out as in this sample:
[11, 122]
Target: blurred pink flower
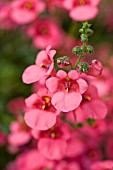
[25, 11]
[19, 134]
[45, 32]
[82, 10]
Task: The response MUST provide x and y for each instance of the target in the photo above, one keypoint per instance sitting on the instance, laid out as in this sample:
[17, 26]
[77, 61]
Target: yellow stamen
[53, 135]
[47, 99]
[28, 5]
[41, 65]
[43, 107]
[68, 79]
[88, 98]
[82, 2]
[67, 89]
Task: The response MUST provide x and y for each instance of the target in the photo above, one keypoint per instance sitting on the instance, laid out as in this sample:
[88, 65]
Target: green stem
[78, 61]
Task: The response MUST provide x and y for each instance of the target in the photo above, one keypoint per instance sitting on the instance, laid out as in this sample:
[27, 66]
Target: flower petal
[52, 84]
[73, 74]
[52, 149]
[32, 74]
[61, 74]
[40, 119]
[66, 101]
[83, 13]
[82, 85]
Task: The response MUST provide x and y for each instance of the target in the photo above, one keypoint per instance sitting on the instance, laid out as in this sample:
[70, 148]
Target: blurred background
[18, 49]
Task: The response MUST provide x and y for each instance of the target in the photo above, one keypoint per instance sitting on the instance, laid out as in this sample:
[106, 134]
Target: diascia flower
[53, 143]
[68, 89]
[43, 67]
[25, 11]
[82, 10]
[91, 106]
[19, 135]
[31, 160]
[46, 31]
[41, 114]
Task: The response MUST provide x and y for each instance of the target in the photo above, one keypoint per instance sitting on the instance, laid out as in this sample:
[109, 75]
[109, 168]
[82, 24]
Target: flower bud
[84, 38]
[95, 68]
[63, 62]
[89, 31]
[81, 31]
[77, 50]
[90, 49]
[84, 48]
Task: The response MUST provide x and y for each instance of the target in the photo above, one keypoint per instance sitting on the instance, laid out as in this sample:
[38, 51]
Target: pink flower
[19, 134]
[95, 68]
[25, 11]
[41, 115]
[32, 160]
[82, 10]
[67, 89]
[92, 106]
[52, 143]
[72, 142]
[5, 19]
[102, 165]
[44, 66]
[46, 31]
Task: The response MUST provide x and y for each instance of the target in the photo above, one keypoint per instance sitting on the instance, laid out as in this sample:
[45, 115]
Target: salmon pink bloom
[46, 31]
[67, 89]
[19, 134]
[32, 160]
[52, 143]
[82, 10]
[41, 114]
[25, 11]
[43, 67]
[91, 106]
[5, 19]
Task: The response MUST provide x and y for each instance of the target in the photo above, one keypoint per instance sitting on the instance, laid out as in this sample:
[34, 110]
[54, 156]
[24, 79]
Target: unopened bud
[95, 68]
[77, 50]
[90, 49]
[84, 38]
[89, 31]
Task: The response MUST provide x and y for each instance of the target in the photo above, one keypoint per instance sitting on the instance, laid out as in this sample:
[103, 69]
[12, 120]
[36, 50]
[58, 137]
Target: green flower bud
[85, 25]
[81, 31]
[84, 48]
[77, 50]
[84, 38]
[89, 31]
[84, 67]
[90, 49]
